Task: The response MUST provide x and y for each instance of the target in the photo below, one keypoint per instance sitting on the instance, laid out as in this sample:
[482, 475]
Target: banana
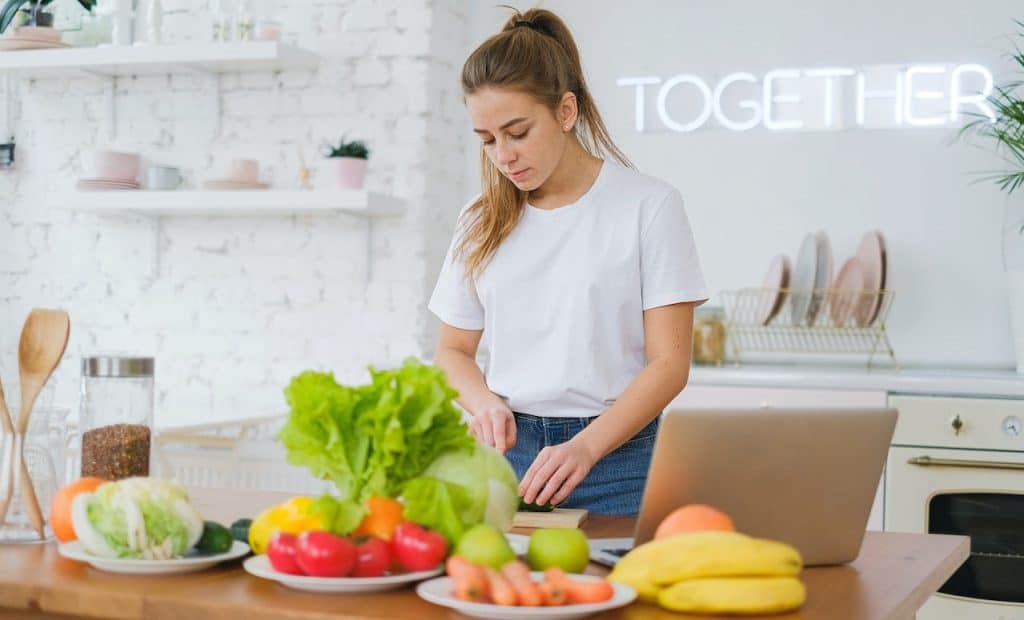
[736, 595]
[634, 569]
[719, 554]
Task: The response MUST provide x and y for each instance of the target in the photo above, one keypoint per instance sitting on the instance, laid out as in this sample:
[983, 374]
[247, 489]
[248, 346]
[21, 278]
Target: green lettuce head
[136, 518]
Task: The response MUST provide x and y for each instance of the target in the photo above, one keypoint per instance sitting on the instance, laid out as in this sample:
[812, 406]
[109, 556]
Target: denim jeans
[614, 486]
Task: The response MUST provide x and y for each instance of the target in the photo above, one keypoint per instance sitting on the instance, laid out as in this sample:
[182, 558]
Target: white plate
[187, 564]
[439, 592]
[259, 565]
[822, 276]
[518, 542]
[804, 276]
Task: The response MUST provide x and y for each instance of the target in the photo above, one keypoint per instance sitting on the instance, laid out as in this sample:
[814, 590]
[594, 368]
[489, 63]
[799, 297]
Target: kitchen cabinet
[746, 397]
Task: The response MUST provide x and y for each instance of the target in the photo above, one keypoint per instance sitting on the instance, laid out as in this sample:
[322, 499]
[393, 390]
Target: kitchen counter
[892, 578]
[924, 381]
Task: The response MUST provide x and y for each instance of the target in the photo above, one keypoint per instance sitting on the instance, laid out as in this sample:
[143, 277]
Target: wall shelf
[229, 203]
[114, 61]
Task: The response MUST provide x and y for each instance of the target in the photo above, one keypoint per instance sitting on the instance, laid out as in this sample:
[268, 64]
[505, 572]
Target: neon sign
[816, 99]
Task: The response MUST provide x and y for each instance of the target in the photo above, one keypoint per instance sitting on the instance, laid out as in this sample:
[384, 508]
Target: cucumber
[240, 529]
[215, 539]
[531, 507]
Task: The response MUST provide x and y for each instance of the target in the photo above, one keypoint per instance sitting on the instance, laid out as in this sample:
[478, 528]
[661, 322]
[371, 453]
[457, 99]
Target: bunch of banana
[715, 572]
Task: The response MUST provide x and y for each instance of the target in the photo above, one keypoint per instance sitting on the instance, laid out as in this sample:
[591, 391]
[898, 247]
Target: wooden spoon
[43, 340]
[7, 465]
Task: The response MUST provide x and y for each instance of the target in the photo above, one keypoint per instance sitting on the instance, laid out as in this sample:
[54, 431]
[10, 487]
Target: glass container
[709, 335]
[116, 416]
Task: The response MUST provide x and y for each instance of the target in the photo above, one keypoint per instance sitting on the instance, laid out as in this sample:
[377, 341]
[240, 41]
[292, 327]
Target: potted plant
[349, 162]
[1006, 134]
[31, 13]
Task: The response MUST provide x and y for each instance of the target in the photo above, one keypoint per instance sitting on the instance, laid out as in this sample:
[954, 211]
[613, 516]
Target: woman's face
[521, 136]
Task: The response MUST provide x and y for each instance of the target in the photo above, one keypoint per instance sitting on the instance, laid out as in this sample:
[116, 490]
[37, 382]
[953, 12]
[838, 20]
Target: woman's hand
[555, 472]
[495, 426]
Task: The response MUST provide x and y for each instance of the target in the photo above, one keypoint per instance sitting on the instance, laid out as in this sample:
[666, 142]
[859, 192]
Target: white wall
[232, 308]
[755, 194]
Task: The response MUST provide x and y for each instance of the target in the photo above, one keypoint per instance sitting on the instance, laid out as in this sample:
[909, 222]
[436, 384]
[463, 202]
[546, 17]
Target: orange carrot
[502, 592]
[552, 594]
[596, 591]
[470, 582]
[518, 574]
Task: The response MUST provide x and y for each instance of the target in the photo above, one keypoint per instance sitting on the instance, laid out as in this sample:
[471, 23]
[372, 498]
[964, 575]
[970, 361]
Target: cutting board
[559, 517]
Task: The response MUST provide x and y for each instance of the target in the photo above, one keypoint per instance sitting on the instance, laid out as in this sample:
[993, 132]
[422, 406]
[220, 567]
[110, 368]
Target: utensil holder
[836, 321]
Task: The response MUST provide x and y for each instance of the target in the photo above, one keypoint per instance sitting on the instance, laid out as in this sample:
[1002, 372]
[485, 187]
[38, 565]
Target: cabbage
[136, 518]
[459, 489]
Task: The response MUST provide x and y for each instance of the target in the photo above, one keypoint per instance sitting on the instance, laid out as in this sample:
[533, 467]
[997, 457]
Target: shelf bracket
[7, 109]
[213, 92]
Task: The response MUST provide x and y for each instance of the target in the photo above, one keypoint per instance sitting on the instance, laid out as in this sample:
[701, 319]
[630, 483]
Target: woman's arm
[492, 421]
[668, 342]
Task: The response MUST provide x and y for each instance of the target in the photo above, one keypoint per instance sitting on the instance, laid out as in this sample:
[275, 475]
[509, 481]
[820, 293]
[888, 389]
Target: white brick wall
[232, 308]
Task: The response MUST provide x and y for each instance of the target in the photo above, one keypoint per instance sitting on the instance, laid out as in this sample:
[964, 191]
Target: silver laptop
[807, 477]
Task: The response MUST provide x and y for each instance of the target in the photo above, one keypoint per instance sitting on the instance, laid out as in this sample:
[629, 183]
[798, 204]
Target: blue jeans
[614, 486]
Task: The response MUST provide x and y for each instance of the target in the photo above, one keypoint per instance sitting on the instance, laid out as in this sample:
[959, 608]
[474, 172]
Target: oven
[956, 466]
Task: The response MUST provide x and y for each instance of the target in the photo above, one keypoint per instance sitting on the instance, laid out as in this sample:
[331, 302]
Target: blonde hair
[534, 53]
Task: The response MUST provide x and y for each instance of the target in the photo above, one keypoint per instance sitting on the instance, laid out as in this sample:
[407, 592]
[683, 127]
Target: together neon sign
[816, 99]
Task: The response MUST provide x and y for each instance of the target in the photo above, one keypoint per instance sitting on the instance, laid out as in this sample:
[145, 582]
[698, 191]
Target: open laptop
[807, 477]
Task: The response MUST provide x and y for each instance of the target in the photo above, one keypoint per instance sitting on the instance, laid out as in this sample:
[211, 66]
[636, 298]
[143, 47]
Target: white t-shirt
[561, 302]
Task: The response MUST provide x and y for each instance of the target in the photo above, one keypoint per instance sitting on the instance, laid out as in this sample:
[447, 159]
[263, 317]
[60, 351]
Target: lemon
[262, 528]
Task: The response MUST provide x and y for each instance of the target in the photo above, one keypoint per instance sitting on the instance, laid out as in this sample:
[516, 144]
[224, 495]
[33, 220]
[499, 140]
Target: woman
[581, 273]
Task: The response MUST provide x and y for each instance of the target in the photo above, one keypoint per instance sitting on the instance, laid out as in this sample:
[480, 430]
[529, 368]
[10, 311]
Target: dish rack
[825, 321]
[238, 454]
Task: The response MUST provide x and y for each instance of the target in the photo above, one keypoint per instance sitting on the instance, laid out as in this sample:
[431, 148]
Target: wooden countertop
[893, 576]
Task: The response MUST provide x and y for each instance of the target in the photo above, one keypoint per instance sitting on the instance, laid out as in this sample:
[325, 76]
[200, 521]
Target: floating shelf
[230, 203]
[156, 59]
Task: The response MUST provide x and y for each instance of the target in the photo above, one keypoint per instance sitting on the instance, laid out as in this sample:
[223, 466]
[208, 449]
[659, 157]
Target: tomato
[281, 553]
[323, 554]
[60, 508]
[373, 557]
[383, 517]
[417, 548]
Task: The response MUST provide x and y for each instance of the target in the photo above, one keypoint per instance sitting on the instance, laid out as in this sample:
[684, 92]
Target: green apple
[485, 544]
[563, 547]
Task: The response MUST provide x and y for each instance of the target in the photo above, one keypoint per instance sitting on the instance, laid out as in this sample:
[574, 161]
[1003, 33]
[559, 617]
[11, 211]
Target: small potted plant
[31, 13]
[349, 162]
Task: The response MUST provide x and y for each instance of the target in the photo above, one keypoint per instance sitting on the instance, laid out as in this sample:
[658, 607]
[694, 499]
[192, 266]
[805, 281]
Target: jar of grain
[116, 416]
[709, 336]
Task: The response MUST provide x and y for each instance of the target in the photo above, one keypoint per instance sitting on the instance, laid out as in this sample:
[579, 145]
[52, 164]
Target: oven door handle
[927, 461]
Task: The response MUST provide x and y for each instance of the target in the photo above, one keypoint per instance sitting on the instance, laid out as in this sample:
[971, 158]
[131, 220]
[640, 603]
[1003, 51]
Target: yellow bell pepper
[291, 517]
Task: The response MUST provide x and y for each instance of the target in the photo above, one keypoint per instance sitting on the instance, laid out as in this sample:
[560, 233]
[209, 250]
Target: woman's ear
[568, 112]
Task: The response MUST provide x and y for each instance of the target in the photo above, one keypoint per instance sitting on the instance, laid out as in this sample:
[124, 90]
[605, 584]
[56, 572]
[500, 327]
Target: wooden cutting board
[559, 517]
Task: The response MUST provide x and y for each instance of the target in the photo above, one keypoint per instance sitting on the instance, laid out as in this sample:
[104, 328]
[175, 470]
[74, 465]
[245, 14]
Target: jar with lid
[116, 416]
[709, 335]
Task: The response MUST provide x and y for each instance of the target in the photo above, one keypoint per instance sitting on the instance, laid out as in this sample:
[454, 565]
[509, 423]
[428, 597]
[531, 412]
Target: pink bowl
[117, 165]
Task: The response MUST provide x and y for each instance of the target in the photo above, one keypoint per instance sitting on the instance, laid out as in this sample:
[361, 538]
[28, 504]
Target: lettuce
[137, 518]
[370, 440]
[459, 490]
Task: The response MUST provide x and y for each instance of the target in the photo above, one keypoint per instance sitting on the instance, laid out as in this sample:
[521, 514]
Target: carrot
[577, 592]
[552, 594]
[502, 592]
[470, 582]
[518, 574]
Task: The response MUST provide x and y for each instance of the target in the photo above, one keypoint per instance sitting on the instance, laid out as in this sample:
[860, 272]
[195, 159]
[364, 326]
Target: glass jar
[116, 416]
[709, 335]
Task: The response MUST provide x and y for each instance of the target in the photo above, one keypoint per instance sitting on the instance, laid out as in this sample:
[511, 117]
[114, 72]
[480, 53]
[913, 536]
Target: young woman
[580, 272]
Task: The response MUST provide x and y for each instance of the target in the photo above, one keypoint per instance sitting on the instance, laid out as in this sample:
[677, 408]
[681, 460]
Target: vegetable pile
[398, 436]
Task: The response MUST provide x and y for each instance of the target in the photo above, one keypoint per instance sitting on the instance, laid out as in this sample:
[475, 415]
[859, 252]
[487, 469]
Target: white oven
[956, 466]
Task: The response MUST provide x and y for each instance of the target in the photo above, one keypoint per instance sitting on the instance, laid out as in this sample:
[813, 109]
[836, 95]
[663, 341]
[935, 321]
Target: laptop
[806, 477]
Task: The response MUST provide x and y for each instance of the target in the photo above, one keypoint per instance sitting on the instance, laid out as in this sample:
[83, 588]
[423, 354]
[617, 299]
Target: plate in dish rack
[193, 561]
[439, 592]
[259, 566]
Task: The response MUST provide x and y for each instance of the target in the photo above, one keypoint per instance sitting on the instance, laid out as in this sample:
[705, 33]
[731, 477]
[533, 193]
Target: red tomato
[323, 554]
[417, 548]
[281, 553]
[373, 557]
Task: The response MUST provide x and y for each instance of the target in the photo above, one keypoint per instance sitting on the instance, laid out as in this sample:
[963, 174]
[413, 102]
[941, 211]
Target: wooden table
[894, 575]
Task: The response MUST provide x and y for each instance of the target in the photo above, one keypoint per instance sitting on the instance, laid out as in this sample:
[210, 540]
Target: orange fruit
[383, 517]
[60, 509]
[694, 518]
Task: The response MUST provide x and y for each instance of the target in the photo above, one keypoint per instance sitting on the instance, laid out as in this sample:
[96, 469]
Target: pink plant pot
[115, 165]
[349, 172]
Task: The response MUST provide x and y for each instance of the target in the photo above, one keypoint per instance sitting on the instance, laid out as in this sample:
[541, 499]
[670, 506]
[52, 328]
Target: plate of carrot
[515, 592]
